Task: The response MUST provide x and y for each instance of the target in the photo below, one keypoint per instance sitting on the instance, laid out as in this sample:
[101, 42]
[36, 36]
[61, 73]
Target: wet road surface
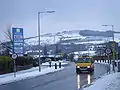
[61, 80]
[84, 79]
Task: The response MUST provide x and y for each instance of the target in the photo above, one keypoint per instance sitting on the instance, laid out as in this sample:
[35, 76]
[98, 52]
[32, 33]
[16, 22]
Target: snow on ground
[107, 82]
[53, 63]
[22, 71]
[94, 42]
[116, 37]
[91, 53]
[25, 74]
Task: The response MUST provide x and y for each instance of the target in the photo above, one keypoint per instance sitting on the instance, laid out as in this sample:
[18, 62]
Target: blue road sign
[18, 41]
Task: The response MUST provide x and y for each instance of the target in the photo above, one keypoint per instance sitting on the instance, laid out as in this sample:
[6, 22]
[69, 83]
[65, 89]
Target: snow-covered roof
[85, 52]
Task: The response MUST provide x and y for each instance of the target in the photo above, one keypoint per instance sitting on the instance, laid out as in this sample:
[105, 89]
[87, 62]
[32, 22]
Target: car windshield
[84, 60]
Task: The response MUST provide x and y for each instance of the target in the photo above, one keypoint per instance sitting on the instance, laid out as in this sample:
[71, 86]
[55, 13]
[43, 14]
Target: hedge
[22, 61]
[5, 64]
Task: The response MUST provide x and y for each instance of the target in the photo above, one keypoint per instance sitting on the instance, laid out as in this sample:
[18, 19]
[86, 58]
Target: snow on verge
[53, 63]
[107, 82]
[27, 75]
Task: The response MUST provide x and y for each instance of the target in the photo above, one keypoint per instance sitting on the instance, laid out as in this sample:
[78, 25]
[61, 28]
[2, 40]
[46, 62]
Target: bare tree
[8, 43]
[45, 50]
[8, 35]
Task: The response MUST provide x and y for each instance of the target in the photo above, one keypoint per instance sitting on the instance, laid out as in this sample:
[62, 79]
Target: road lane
[61, 80]
[57, 81]
[84, 79]
[60, 84]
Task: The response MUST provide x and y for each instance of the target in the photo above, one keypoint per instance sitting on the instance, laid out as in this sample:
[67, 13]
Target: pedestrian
[108, 69]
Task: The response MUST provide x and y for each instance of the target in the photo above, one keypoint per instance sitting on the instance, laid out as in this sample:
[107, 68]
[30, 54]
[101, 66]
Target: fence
[101, 67]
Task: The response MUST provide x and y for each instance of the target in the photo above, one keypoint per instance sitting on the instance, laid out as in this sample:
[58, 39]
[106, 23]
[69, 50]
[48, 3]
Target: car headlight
[88, 66]
[78, 66]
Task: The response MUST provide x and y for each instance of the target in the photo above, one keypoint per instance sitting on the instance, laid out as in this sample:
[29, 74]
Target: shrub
[22, 61]
[5, 64]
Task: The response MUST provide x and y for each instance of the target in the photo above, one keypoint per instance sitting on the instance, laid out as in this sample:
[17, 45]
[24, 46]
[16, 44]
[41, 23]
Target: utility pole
[39, 13]
[113, 46]
[113, 49]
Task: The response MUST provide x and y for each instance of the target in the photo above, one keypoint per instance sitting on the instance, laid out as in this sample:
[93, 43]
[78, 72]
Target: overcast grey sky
[69, 14]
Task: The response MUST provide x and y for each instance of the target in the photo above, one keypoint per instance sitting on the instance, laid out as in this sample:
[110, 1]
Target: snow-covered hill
[52, 38]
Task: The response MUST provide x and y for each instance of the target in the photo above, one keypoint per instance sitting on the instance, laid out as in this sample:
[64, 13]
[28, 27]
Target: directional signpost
[18, 45]
[18, 41]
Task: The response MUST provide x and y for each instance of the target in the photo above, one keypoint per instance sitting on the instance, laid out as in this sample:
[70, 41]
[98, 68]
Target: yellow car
[84, 64]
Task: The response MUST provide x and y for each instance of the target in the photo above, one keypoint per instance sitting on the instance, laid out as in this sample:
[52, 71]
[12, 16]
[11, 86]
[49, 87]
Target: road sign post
[108, 58]
[113, 53]
[14, 56]
[108, 51]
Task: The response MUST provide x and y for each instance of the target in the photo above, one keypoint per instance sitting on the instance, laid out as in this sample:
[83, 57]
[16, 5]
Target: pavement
[43, 66]
[22, 72]
[107, 82]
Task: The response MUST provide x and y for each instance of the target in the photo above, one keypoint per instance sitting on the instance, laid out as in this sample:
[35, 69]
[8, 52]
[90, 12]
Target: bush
[5, 64]
[22, 61]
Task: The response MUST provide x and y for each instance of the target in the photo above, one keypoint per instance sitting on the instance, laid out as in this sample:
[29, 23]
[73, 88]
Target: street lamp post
[39, 34]
[55, 47]
[113, 46]
[112, 30]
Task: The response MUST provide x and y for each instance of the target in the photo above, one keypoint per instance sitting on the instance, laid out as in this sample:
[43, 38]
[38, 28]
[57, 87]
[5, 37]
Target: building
[107, 48]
